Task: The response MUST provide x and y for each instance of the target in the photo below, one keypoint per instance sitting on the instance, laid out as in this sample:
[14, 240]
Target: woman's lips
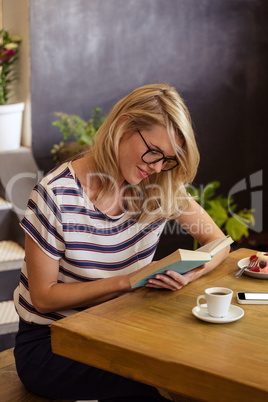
[142, 173]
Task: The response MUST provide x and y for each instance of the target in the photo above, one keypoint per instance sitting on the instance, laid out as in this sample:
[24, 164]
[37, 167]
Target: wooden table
[152, 337]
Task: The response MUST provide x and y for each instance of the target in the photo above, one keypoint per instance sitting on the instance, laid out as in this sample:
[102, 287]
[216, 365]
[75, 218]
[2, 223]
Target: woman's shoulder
[61, 174]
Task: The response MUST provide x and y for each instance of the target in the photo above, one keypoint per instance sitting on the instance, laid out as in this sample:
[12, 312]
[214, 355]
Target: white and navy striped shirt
[89, 245]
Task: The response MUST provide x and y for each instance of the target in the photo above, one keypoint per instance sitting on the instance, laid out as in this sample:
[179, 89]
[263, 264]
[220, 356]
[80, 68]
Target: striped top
[88, 244]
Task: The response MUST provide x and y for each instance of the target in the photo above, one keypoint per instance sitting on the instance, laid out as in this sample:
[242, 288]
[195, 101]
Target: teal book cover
[180, 266]
[181, 261]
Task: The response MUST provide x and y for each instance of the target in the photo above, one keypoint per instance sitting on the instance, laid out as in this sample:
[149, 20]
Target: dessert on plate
[259, 262]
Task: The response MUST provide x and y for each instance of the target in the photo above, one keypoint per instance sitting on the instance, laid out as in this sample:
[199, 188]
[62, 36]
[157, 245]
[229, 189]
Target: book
[181, 261]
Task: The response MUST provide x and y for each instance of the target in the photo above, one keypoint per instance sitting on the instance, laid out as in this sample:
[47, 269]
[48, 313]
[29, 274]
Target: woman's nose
[157, 166]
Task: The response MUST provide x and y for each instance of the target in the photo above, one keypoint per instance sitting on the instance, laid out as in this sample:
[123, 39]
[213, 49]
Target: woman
[92, 223]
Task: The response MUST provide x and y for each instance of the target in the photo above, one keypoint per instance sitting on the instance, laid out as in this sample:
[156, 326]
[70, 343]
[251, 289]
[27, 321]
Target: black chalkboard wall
[88, 53]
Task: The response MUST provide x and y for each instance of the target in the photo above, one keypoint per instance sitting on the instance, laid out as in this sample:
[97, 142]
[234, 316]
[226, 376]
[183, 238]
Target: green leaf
[235, 228]
[246, 216]
[223, 210]
[194, 192]
[210, 190]
[11, 46]
[217, 212]
[7, 62]
[225, 203]
[80, 130]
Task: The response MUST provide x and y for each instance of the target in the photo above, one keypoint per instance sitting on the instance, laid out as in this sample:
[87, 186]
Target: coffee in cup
[218, 301]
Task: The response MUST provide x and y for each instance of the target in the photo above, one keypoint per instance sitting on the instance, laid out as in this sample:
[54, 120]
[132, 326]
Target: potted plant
[80, 131]
[10, 114]
[223, 211]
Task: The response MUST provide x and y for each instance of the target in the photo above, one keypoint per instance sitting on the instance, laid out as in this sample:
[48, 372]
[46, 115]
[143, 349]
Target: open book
[181, 261]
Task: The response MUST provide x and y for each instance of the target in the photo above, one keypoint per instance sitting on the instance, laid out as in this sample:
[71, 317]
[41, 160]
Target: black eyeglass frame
[164, 158]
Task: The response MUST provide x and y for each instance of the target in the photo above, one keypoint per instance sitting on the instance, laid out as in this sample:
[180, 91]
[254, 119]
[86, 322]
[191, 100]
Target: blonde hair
[162, 194]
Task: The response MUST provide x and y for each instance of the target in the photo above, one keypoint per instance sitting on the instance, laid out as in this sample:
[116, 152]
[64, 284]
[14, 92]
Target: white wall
[15, 20]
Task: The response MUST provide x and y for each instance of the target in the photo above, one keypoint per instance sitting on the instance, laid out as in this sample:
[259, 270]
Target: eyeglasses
[153, 156]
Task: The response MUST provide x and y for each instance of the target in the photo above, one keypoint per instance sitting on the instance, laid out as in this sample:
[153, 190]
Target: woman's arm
[47, 295]
[196, 221]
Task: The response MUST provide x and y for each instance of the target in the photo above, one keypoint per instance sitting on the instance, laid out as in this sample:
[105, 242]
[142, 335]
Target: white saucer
[234, 314]
[258, 275]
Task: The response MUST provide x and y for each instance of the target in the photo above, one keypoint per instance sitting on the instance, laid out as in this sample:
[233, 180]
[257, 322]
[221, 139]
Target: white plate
[258, 275]
[234, 314]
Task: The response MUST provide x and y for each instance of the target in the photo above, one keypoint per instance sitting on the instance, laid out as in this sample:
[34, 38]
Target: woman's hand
[173, 280]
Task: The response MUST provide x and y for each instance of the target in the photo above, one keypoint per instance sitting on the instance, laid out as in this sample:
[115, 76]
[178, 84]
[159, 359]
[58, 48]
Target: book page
[215, 246]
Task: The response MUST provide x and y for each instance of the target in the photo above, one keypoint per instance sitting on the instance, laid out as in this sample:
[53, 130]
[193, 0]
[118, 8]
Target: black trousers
[51, 376]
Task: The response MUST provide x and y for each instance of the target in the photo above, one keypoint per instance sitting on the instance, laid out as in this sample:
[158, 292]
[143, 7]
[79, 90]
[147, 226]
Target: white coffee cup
[218, 301]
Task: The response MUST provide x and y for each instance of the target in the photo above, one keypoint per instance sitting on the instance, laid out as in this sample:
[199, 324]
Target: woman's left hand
[173, 280]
